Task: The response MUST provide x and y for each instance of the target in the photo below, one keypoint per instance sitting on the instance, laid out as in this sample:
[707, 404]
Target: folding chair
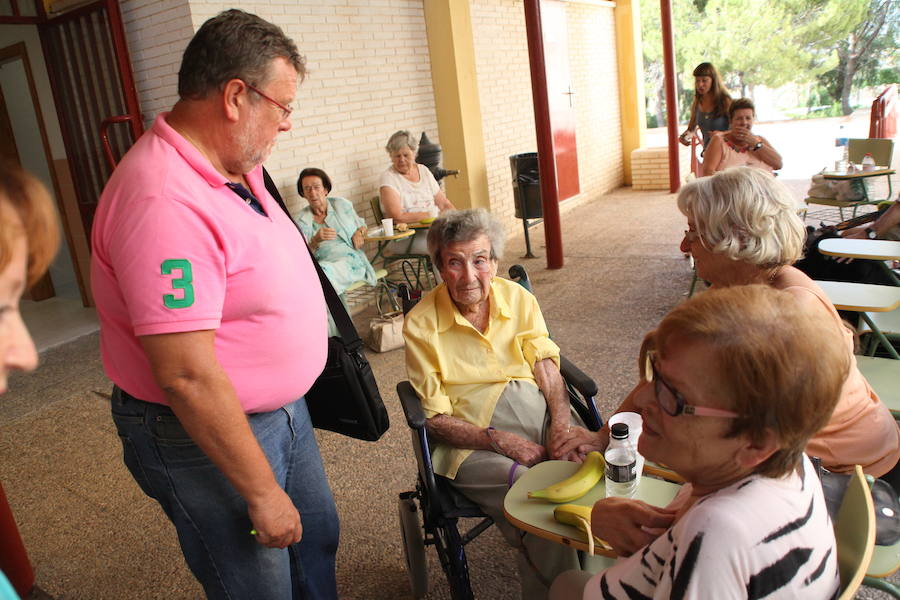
[440, 505]
[888, 323]
[381, 290]
[854, 530]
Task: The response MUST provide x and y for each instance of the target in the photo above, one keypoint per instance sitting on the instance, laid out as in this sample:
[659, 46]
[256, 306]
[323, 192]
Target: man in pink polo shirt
[213, 324]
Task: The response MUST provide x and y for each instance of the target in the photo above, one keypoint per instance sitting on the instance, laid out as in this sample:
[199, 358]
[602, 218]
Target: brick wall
[504, 84]
[650, 167]
[369, 75]
[157, 33]
[594, 72]
[504, 88]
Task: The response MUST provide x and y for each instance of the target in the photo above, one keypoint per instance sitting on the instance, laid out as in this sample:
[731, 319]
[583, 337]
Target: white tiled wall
[370, 74]
[504, 83]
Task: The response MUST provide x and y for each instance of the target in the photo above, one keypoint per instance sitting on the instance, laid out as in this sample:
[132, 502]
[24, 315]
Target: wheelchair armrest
[412, 406]
[577, 378]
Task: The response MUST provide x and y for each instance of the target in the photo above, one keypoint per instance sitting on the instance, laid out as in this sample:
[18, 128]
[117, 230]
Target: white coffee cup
[635, 426]
[388, 226]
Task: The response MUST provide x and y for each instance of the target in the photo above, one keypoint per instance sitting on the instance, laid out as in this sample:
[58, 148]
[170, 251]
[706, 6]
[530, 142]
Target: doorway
[54, 309]
[20, 113]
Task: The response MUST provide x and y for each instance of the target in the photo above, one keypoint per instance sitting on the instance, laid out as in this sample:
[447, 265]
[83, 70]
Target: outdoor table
[880, 250]
[377, 235]
[536, 516]
[859, 174]
[864, 298]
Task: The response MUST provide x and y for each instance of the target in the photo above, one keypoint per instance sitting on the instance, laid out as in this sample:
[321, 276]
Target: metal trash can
[526, 182]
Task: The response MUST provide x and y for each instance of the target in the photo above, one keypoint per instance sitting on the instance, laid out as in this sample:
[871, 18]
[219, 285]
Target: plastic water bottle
[621, 463]
[868, 163]
[842, 143]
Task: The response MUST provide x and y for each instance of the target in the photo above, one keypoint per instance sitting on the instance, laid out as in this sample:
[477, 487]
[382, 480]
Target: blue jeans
[211, 517]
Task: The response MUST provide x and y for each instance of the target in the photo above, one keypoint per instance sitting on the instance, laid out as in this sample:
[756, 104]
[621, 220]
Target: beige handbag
[386, 332]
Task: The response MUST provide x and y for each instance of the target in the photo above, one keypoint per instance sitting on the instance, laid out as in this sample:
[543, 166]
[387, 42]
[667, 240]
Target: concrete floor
[92, 534]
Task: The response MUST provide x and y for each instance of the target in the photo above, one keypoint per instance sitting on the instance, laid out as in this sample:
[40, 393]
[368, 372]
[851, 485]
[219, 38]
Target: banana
[572, 514]
[576, 486]
[579, 516]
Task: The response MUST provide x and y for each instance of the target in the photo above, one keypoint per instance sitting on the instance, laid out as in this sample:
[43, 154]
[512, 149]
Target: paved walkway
[93, 535]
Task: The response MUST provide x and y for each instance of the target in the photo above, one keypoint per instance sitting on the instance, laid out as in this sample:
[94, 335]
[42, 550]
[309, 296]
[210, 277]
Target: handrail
[883, 118]
[104, 136]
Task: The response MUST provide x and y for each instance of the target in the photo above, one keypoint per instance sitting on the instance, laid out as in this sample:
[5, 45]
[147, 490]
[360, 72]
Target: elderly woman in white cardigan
[409, 192]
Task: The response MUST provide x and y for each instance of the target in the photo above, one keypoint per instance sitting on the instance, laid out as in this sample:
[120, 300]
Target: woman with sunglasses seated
[722, 404]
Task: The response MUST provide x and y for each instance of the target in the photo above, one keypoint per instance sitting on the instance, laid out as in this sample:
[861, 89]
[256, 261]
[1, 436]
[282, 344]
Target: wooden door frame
[8, 54]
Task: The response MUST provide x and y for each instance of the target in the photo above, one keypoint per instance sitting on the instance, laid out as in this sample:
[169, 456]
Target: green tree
[869, 50]
[751, 43]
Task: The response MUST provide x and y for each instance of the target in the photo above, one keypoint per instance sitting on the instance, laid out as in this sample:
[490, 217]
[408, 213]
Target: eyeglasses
[286, 111]
[313, 188]
[672, 402]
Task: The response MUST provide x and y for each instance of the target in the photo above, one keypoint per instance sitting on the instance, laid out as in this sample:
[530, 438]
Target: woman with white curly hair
[408, 191]
[743, 229]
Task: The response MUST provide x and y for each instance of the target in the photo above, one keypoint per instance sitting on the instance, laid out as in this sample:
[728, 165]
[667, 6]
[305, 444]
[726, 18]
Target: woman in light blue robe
[334, 231]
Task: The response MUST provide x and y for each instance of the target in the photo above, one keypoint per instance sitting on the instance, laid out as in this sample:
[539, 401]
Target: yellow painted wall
[448, 24]
[631, 79]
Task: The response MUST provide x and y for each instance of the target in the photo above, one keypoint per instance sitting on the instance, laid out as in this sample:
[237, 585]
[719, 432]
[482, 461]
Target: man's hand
[628, 525]
[276, 520]
[524, 452]
[577, 443]
[359, 237]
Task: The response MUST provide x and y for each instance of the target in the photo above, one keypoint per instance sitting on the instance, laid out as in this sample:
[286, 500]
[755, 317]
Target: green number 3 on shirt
[179, 283]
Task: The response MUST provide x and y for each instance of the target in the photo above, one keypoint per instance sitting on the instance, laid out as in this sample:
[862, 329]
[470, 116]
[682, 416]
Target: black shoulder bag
[345, 398]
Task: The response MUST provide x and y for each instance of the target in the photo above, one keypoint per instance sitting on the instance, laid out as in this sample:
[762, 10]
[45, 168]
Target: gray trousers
[484, 477]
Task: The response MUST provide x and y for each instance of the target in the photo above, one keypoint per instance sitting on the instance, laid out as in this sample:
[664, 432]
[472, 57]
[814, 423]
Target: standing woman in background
[709, 110]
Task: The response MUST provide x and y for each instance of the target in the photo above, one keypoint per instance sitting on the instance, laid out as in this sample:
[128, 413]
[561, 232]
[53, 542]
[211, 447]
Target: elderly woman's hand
[324, 233]
[573, 443]
[628, 525]
[359, 237]
[524, 452]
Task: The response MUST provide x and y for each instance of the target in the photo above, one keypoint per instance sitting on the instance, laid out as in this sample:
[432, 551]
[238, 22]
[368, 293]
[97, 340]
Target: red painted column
[668, 42]
[13, 559]
[549, 190]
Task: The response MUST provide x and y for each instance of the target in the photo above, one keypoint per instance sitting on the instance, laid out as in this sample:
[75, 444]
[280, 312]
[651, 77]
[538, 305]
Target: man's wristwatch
[870, 233]
[757, 146]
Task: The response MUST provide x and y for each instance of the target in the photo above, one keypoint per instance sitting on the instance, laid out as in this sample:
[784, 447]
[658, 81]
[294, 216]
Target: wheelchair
[429, 515]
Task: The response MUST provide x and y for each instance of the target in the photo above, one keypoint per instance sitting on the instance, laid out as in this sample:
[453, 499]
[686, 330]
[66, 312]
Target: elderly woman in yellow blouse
[479, 357]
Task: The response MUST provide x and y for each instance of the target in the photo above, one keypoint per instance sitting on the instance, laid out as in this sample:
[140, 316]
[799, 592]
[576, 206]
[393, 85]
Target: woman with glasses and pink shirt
[29, 237]
[722, 404]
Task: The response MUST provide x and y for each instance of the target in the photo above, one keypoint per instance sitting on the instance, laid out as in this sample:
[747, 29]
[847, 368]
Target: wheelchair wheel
[413, 547]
